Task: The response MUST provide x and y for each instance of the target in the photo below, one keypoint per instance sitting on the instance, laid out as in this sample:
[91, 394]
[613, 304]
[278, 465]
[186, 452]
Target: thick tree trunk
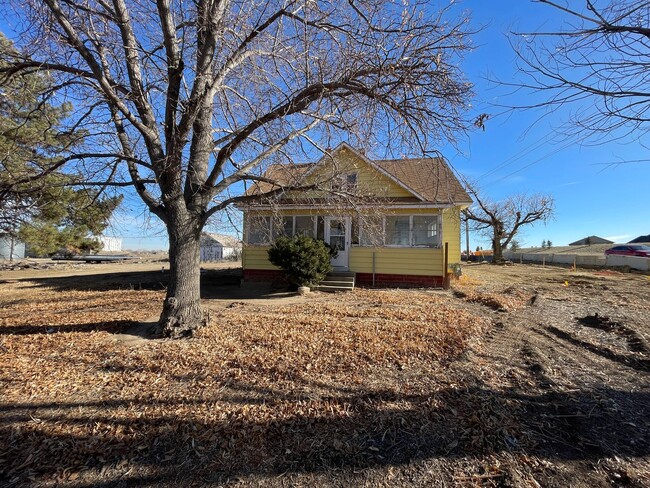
[182, 313]
[497, 255]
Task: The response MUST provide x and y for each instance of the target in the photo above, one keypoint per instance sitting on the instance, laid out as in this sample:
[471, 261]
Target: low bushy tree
[304, 260]
[68, 221]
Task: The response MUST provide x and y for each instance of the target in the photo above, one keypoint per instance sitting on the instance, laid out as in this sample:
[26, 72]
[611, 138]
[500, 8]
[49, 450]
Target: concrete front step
[337, 281]
[328, 288]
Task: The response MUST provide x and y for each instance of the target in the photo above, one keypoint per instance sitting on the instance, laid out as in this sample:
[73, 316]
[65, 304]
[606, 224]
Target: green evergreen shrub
[304, 260]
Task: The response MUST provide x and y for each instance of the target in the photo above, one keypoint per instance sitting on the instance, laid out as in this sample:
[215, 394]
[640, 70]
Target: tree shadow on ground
[113, 327]
[356, 430]
[215, 284]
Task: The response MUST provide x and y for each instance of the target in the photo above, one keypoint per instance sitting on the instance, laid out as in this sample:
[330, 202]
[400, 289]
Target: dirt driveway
[574, 364]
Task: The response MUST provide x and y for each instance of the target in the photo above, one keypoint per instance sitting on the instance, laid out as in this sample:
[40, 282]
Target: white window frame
[411, 244]
[274, 224]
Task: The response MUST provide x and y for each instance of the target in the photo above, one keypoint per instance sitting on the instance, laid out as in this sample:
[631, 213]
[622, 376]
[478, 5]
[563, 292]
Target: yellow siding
[451, 233]
[256, 257]
[369, 180]
[388, 260]
[412, 261]
[404, 260]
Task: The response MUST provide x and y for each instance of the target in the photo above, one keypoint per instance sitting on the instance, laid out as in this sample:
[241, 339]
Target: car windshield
[641, 248]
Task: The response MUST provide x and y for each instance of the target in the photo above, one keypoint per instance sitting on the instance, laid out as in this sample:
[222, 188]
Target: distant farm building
[11, 248]
[111, 244]
[217, 247]
[588, 241]
[641, 239]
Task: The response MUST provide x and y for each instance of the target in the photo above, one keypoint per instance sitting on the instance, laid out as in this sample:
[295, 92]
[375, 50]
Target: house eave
[245, 207]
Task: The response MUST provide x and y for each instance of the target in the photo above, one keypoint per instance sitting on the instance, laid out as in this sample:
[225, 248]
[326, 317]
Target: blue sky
[516, 152]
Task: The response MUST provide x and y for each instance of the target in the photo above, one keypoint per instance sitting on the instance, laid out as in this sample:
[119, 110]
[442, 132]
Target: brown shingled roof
[284, 174]
[429, 179]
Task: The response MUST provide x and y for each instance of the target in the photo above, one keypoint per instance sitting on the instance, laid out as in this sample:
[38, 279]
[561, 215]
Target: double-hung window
[345, 182]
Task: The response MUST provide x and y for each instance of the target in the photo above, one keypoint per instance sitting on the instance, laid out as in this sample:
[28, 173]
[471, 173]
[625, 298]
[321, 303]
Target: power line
[523, 152]
[555, 151]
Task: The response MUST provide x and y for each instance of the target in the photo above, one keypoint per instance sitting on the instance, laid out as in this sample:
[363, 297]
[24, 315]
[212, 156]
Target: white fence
[612, 260]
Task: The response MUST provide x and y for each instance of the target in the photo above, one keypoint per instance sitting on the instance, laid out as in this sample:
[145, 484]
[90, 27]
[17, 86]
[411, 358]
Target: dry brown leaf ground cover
[264, 389]
[495, 384]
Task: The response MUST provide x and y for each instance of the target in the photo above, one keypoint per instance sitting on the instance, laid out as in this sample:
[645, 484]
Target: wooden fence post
[445, 276]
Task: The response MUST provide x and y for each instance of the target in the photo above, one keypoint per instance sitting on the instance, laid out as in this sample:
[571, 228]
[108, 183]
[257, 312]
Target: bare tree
[188, 101]
[502, 220]
[597, 62]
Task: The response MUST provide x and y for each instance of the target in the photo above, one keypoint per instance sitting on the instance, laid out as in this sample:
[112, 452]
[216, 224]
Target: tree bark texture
[182, 312]
[497, 255]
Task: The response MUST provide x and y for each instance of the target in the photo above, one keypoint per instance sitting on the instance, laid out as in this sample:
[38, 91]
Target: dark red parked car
[630, 250]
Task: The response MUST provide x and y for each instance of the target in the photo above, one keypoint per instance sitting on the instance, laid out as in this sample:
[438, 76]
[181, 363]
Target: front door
[337, 232]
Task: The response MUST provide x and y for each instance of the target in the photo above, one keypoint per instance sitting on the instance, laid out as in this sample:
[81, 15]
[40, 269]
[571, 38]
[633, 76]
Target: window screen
[397, 231]
[425, 230]
[283, 226]
[371, 231]
[305, 226]
[259, 230]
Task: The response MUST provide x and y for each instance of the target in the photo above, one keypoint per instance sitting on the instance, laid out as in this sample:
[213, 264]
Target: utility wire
[523, 152]
[545, 156]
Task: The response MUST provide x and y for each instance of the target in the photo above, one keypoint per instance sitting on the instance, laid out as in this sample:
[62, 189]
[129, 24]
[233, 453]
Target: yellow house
[393, 222]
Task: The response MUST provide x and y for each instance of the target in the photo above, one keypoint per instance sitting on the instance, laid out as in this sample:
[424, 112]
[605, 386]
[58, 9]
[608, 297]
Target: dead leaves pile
[337, 380]
[341, 338]
[502, 300]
